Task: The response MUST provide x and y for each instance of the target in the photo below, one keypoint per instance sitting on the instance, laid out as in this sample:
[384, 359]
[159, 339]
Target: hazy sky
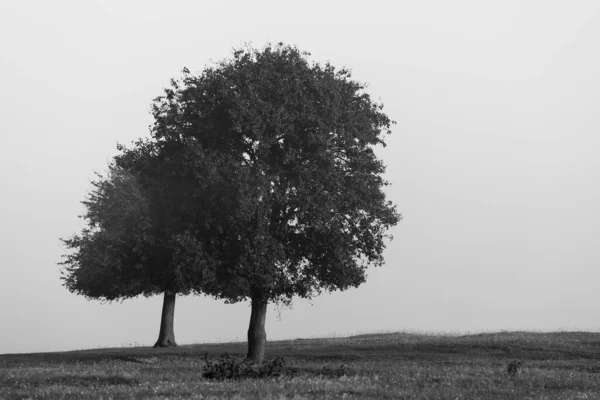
[494, 161]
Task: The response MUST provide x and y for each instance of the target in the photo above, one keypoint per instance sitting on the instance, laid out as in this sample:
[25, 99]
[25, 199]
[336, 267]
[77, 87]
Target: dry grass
[393, 366]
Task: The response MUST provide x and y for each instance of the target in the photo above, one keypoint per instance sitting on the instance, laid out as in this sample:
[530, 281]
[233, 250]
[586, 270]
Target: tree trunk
[166, 336]
[257, 335]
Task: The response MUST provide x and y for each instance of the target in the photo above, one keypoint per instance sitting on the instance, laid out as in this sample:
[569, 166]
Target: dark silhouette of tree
[137, 240]
[297, 206]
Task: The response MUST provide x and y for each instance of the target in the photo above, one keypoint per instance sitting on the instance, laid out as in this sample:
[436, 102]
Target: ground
[562, 365]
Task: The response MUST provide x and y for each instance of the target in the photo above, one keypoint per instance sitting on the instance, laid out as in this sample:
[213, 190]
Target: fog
[493, 160]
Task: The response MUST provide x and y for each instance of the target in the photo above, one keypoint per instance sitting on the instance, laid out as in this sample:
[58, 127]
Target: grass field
[563, 365]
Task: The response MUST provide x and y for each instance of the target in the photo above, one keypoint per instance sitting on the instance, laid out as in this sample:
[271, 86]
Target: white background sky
[494, 160]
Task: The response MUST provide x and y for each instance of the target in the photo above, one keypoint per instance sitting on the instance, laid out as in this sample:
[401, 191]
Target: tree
[137, 240]
[293, 141]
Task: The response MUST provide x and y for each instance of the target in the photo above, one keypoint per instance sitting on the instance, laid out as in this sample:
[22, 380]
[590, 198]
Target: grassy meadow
[562, 365]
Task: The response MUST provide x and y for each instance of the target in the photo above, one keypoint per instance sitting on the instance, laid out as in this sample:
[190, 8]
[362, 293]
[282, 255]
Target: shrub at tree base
[227, 368]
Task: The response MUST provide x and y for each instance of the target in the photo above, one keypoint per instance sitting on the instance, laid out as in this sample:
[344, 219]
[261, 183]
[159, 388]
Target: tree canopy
[259, 182]
[301, 206]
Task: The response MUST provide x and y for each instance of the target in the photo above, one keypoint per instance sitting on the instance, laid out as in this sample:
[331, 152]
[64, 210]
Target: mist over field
[493, 160]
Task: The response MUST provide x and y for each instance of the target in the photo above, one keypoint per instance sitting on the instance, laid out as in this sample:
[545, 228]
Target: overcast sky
[494, 161]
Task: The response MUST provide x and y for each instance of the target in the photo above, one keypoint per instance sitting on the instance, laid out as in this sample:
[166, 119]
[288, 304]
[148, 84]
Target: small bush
[514, 367]
[227, 367]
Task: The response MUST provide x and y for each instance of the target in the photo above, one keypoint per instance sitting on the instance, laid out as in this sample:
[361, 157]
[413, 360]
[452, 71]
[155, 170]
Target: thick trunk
[257, 335]
[166, 336]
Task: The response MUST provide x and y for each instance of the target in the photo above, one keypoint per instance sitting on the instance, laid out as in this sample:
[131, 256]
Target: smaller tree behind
[136, 241]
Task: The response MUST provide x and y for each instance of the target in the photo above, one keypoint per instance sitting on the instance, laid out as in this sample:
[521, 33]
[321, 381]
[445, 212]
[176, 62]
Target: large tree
[137, 240]
[300, 206]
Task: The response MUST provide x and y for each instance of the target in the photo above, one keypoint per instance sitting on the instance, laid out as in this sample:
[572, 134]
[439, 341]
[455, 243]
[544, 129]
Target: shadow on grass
[89, 380]
[74, 380]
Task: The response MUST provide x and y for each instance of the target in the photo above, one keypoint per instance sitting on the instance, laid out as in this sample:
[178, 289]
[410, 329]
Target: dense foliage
[307, 207]
[136, 240]
[259, 182]
[298, 204]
